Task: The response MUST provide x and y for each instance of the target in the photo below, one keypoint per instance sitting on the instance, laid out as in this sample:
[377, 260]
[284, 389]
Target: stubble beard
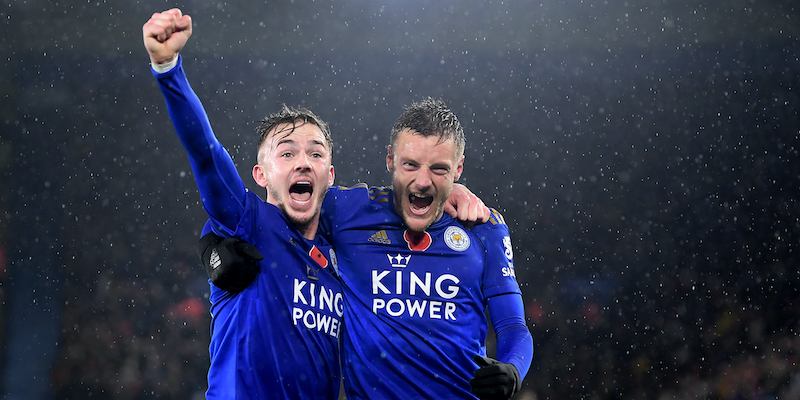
[402, 205]
[299, 223]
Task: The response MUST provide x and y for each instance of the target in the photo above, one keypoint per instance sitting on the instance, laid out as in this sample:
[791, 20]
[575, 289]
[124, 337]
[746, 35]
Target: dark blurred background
[644, 154]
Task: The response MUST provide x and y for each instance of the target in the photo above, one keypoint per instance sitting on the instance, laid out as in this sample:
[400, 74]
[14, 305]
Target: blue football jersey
[414, 303]
[277, 339]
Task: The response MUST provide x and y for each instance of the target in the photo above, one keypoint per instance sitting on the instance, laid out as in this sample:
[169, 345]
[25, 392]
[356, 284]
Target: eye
[286, 154]
[440, 170]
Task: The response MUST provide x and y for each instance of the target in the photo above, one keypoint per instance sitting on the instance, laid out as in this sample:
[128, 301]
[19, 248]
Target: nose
[303, 162]
[423, 178]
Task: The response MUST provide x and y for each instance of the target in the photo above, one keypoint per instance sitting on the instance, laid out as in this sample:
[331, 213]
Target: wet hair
[431, 117]
[292, 116]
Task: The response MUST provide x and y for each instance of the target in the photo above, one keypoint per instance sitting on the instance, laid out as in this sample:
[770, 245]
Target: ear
[389, 159]
[331, 177]
[459, 169]
[260, 175]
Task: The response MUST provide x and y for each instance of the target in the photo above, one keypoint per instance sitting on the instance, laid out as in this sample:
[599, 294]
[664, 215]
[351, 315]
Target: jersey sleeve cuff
[166, 67]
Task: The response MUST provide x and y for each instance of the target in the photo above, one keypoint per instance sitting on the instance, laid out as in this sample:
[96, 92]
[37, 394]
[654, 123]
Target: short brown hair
[290, 115]
[431, 117]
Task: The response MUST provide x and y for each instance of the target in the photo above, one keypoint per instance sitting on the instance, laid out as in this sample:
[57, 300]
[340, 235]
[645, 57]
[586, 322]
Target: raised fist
[165, 34]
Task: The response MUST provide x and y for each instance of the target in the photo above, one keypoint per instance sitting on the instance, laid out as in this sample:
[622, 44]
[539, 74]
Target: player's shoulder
[496, 225]
[363, 192]
[495, 220]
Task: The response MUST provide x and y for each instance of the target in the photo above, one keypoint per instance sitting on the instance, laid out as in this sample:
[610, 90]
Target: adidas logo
[380, 237]
[214, 259]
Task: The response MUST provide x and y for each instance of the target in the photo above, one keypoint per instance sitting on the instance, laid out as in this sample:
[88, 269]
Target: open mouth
[419, 203]
[301, 191]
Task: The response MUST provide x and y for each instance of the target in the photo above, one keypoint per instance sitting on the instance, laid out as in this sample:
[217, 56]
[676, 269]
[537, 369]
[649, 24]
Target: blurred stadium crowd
[133, 340]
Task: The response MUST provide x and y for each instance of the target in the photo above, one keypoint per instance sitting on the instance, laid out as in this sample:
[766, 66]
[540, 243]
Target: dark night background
[644, 154]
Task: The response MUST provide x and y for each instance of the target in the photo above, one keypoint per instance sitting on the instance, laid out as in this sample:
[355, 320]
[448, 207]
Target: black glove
[494, 380]
[231, 263]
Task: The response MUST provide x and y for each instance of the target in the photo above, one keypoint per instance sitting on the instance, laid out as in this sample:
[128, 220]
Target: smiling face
[423, 169]
[294, 165]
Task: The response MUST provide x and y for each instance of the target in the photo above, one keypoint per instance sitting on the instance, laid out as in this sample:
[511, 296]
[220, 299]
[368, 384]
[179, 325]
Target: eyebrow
[443, 164]
[288, 140]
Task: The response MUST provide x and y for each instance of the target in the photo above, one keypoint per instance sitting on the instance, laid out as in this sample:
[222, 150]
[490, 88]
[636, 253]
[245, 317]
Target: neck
[309, 230]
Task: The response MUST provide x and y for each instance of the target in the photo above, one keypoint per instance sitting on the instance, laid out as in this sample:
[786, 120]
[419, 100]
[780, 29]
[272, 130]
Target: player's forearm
[514, 341]
[188, 116]
[220, 186]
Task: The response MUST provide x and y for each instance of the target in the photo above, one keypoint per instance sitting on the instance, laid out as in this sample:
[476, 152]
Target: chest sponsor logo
[456, 238]
[399, 292]
[317, 307]
[312, 273]
[399, 261]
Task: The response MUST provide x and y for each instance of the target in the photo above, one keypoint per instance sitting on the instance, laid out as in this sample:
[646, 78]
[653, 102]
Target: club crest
[456, 238]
